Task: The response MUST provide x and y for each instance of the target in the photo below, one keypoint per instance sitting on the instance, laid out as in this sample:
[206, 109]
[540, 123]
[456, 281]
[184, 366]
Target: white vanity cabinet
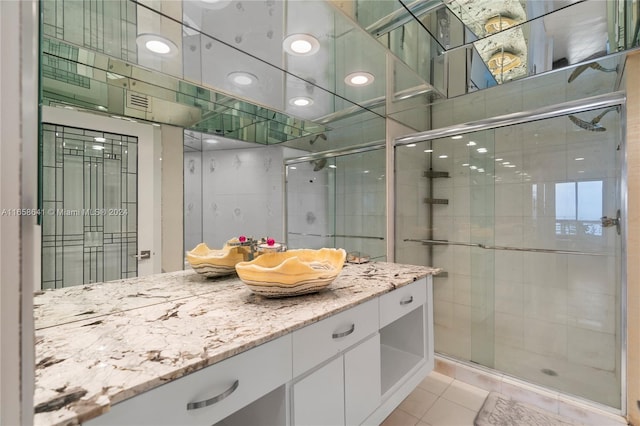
[211, 394]
[345, 389]
[350, 368]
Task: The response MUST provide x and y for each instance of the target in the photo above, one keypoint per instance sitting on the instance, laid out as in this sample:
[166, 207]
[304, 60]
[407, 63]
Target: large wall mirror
[238, 88]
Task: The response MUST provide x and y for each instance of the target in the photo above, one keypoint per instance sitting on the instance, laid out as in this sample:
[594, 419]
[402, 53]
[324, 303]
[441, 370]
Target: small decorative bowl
[293, 272]
[357, 257]
[213, 262]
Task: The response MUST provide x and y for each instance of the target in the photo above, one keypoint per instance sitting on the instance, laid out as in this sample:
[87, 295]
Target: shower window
[579, 204]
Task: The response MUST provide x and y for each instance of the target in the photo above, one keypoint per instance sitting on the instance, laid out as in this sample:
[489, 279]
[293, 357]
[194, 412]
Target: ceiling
[400, 43]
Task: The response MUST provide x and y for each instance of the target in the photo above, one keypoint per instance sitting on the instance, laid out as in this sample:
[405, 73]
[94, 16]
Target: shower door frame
[613, 99]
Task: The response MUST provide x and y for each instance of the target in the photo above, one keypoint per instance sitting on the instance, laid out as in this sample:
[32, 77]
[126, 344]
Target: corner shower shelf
[436, 201]
[433, 174]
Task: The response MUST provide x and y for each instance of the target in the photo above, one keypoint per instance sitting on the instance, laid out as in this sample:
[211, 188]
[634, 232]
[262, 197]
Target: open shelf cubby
[402, 346]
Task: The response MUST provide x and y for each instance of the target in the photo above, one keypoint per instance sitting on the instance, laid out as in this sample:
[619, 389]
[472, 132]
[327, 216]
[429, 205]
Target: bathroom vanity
[176, 348]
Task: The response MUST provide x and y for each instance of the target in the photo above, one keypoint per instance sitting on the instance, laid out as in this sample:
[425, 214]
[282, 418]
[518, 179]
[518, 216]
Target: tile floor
[439, 400]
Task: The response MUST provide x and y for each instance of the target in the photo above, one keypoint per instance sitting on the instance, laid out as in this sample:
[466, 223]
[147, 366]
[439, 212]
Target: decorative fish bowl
[216, 262]
[292, 272]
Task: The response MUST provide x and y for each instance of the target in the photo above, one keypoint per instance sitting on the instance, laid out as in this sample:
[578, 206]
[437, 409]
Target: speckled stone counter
[98, 345]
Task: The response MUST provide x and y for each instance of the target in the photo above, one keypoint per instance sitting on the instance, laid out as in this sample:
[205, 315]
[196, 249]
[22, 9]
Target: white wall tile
[509, 329]
[594, 274]
[509, 298]
[545, 303]
[546, 338]
[591, 348]
[593, 311]
[509, 199]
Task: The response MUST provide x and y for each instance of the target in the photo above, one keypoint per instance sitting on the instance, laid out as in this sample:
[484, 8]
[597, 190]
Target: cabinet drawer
[212, 393]
[401, 301]
[318, 342]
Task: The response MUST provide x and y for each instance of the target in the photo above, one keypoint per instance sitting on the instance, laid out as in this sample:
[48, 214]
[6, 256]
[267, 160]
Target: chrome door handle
[406, 301]
[144, 254]
[213, 400]
[344, 333]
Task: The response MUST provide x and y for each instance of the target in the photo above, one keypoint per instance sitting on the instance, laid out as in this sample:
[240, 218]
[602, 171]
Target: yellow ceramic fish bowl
[293, 272]
[215, 262]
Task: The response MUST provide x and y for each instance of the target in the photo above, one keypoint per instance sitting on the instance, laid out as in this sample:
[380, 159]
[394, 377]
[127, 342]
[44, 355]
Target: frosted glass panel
[89, 193]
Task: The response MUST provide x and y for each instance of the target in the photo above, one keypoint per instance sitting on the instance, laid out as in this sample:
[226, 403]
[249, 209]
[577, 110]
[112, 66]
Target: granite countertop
[100, 344]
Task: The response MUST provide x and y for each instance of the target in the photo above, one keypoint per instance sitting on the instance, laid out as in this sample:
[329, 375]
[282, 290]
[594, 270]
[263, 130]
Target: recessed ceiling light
[579, 158]
[482, 150]
[242, 78]
[465, 164]
[333, 166]
[211, 140]
[99, 139]
[157, 44]
[471, 143]
[301, 101]
[473, 167]
[98, 147]
[443, 156]
[360, 78]
[428, 150]
[411, 145]
[301, 44]
[499, 159]
[456, 137]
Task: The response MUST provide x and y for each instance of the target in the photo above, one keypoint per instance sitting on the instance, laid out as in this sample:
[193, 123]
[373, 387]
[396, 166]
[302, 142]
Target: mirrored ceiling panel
[268, 54]
[75, 77]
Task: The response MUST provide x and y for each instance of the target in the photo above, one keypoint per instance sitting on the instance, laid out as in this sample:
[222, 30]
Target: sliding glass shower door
[525, 221]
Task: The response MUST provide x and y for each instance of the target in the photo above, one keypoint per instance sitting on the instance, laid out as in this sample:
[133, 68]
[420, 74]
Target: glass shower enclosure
[525, 220]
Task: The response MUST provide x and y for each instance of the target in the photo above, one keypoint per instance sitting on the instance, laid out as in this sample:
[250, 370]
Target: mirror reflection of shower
[593, 125]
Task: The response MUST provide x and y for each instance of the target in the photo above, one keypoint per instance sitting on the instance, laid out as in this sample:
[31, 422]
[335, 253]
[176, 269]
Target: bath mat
[499, 410]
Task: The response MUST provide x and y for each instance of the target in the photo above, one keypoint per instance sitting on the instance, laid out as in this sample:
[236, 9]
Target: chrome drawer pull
[344, 333]
[217, 398]
[407, 301]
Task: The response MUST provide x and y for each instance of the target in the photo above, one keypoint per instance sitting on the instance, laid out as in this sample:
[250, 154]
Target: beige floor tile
[447, 413]
[466, 395]
[418, 402]
[435, 383]
[400, 418]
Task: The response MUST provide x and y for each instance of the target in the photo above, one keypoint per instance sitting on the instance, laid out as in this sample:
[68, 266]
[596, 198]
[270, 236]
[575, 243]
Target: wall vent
[137, 101]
